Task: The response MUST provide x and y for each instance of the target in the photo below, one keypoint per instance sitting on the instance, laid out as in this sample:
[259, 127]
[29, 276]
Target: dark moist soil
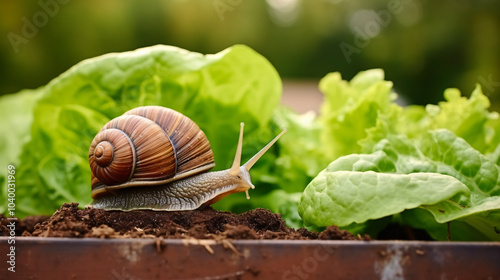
[207, 223]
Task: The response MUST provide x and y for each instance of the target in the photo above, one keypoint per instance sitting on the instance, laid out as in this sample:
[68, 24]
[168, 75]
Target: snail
[156, 158]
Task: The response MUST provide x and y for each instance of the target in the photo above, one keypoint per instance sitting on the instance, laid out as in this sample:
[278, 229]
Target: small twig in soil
[204, 242]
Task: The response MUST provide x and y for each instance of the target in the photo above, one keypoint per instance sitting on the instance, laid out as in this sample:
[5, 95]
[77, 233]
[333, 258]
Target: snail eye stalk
[257, 156]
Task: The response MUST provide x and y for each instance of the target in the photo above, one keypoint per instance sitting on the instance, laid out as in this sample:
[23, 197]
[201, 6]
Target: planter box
[65, 258]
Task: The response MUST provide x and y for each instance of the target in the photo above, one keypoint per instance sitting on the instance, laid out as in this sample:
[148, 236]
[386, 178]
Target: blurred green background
[423, 46]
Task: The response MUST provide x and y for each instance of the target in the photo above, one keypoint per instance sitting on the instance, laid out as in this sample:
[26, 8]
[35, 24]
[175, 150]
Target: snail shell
[147, 146]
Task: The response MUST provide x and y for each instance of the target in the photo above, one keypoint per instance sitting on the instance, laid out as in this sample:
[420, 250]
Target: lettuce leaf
[216, 91]
[439, 158]
[350, 108]
[16, 111]
[441, 173]
[468, 118]
[299, 159]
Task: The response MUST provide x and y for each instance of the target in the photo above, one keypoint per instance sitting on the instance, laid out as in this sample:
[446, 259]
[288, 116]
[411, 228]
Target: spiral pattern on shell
[149, 145]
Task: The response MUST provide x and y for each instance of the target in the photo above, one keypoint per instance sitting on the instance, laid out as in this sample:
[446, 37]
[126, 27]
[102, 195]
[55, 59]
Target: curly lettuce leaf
[468, 118]
[350, 108]
[217, 91]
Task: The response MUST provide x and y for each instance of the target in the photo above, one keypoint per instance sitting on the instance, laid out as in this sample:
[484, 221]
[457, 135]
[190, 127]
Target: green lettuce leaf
[345, 197]
[454, 145]
[300, 159]
[350, 108]
[216, 91]
[16, 111]
[440, 173]
[468, 118]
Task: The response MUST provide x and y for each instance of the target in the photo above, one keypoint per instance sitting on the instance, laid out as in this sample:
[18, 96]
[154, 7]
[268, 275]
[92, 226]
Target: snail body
[158, 159]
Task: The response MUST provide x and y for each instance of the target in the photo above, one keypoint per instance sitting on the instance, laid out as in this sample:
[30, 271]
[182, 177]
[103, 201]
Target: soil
[69, 221]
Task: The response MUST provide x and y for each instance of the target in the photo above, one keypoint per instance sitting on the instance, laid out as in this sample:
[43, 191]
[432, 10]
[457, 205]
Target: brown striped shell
[146, 146]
